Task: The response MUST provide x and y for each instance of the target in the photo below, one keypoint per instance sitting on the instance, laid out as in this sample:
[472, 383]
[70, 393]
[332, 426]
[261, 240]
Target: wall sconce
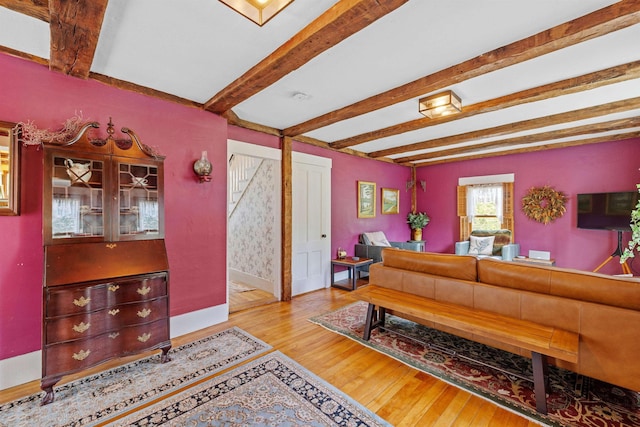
[440, 104]
[410, 184]
[202, 168]
[259, 11]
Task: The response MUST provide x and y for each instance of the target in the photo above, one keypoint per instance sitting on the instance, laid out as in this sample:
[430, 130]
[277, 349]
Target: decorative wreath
[544, 204]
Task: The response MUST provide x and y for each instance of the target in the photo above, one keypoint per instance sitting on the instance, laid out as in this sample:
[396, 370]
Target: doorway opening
[253, 225]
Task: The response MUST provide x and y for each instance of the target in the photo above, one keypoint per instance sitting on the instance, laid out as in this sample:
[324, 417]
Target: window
[485, 203]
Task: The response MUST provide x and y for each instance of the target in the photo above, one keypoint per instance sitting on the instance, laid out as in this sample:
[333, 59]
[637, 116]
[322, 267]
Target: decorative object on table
[574, 400]
[544, 204]
[366, 199]
[103, 396]
[202, 168]
[634, 223]
[417, 221]
[390, 201]
[341, 253]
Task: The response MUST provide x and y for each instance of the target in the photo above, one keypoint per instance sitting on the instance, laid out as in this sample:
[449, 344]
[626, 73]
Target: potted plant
[634, 243]
[417, 221]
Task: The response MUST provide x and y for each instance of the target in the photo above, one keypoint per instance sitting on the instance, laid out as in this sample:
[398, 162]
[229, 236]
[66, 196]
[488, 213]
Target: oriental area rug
[574, 400]
[100, 397]
[270, 391]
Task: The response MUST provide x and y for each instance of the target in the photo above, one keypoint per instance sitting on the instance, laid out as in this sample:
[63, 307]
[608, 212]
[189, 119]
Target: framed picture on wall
[390, 201]
[366, 199]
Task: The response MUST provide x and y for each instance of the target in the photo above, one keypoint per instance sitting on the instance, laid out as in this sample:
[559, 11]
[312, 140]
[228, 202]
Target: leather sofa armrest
[462, 248]
[510, 251]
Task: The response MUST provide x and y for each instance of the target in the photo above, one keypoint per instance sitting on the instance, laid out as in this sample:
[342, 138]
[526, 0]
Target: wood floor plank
[402, 395]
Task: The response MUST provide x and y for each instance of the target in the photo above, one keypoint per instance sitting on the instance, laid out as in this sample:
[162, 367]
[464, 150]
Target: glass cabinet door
[139, 210]
[77, 197]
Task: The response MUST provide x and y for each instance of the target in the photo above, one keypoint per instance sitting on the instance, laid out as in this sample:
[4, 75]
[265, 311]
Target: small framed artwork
[366, 199]
[390, 201]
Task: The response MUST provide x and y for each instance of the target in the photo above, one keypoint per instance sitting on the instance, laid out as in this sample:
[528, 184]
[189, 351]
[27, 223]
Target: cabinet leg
[164, 357]
[47, 386]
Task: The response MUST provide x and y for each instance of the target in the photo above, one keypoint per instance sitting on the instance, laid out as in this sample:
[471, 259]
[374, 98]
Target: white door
[311, 219]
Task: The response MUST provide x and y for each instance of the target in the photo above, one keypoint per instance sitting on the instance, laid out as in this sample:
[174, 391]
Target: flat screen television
[606, 211]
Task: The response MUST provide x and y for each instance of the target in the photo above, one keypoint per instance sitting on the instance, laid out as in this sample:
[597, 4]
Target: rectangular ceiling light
[259, 11]
[440, 104]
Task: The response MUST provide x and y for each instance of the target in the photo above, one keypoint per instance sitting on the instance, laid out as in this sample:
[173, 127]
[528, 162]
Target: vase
[416, 234]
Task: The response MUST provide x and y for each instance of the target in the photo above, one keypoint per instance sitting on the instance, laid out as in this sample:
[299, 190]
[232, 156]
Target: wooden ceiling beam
[594, 140]
[604, 21]
[594, 128]
[38, 9]
[589, 81]
[75, 29]
[525, 125]
[344, 19]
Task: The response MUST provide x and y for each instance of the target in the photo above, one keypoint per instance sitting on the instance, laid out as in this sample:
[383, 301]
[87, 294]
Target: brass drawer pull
[144, 313]
[144, 337]
[111, 245]
[82, 354]
[144, 290]
[82, 301]
[81, 327]
[114, 335]
[114, 288]
[114, 311]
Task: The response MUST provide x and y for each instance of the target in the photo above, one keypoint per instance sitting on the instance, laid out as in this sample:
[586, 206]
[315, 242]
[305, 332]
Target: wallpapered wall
[252, 236]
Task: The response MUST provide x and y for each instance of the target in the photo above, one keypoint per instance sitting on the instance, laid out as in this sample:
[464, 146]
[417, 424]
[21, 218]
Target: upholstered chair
[489, 243]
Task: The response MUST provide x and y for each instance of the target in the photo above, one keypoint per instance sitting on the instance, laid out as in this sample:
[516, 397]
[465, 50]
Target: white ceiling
[194, 49]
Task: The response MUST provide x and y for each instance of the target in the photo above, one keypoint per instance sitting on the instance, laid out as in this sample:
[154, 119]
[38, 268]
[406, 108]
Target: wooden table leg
[540, 375]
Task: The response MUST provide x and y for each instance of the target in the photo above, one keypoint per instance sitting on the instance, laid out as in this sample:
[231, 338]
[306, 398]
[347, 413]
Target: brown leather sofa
[604, 310]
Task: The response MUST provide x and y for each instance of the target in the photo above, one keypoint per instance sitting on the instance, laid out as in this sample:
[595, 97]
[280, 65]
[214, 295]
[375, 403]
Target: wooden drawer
[64, 300]
[86, 325]
[71, 356]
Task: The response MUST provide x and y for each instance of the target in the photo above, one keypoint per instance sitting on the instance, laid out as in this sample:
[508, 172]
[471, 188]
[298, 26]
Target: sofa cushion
[481, 245]
[501, 238]
[375, 238]
[446, 265]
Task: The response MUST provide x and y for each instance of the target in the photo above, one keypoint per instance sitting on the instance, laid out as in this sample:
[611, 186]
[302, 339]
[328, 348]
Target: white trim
[246, 149]
[310, 159]
[20, 369]
[486, 179]
[199, 319]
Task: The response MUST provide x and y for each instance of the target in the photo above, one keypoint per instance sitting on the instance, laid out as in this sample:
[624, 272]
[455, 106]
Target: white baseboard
[251, 280]
[28, 367]
[20, 369]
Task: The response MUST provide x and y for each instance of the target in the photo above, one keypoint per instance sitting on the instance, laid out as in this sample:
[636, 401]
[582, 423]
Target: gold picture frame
[366, 199]
[390, 201]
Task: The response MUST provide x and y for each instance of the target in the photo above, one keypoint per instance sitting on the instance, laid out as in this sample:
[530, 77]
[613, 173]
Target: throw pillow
[377, 238]
[481, 245]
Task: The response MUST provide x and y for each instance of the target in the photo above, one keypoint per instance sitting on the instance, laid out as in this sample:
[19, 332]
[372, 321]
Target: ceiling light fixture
[259, 11]
[440, 104]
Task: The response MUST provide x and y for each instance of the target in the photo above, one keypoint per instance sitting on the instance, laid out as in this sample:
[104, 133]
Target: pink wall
[195, 215]
[611, 166]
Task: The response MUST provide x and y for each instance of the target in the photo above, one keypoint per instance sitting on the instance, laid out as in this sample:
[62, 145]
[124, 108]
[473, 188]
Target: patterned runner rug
[574, 400]
[270, 391]
[97, 398]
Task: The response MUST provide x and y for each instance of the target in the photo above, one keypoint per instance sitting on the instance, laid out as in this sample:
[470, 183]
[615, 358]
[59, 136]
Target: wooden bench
[541, 340]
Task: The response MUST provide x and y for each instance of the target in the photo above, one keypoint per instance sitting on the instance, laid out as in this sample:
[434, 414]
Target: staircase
[241, 171]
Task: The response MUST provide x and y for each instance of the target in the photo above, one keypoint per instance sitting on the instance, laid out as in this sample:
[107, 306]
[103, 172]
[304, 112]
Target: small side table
[352, 268]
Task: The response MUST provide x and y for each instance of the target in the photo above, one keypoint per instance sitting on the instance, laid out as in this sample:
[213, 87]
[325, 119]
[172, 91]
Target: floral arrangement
[544, 204]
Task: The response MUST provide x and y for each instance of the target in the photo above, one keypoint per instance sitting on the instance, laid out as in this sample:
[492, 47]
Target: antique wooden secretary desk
[106, 273]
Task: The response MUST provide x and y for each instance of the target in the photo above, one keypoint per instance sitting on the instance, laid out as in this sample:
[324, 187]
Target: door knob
[324, 236]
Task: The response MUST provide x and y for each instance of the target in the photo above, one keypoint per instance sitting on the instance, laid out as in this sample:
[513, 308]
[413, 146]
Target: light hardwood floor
[400, 394]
